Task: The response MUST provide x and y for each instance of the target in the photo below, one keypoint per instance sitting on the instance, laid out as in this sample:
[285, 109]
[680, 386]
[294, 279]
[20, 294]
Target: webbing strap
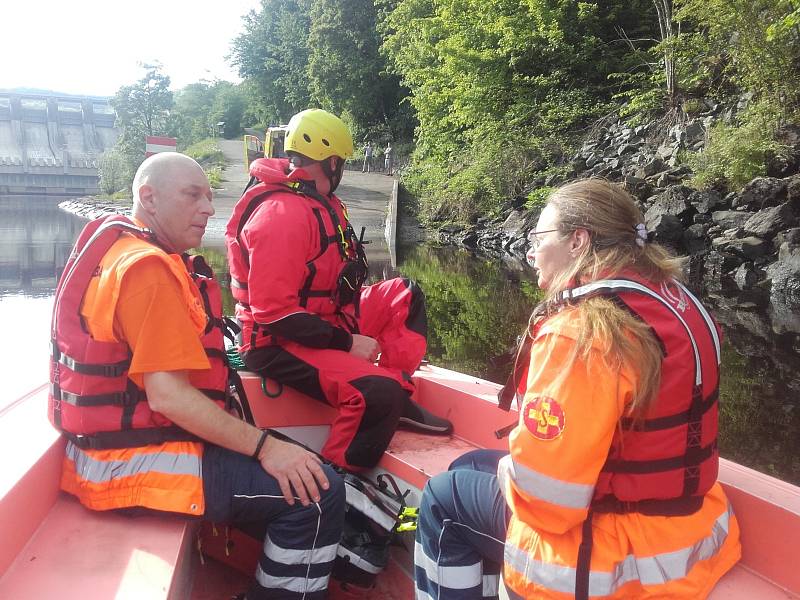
[98, 370]
[584, 565]
[130, 438]
[668, 507]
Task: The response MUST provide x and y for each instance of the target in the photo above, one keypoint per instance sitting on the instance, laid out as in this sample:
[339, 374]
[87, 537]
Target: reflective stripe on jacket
[552, 480]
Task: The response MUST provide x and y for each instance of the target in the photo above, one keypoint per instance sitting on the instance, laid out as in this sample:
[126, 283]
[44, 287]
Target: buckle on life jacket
[130, 398]
[408, 518]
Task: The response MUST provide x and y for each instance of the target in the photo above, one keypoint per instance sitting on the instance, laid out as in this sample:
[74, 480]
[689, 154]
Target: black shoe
[416, 418]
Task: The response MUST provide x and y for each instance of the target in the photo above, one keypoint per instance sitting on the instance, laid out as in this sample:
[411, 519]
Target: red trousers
[370, 398]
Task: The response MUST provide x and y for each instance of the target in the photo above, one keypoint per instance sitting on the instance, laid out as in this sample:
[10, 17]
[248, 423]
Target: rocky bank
[745, 243]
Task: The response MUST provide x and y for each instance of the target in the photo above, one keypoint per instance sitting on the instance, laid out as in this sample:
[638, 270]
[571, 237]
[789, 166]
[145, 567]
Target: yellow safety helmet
[318, 134]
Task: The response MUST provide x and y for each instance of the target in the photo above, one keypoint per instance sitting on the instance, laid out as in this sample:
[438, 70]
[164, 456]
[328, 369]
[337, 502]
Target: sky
[92, 47]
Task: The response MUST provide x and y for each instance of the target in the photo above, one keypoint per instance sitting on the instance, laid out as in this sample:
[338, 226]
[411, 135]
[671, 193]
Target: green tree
[272, 56]
[190, 118]
[230, 105]
[346, 70]
[142, 109]
[485, 75]
[200, 106]
[114, 172]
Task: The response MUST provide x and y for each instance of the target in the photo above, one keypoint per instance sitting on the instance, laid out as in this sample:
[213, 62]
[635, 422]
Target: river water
[476, 308]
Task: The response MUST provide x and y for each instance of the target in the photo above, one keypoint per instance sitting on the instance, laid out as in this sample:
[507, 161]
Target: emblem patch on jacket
[544, 418]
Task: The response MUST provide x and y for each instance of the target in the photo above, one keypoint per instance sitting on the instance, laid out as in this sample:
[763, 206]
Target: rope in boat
[235, 361]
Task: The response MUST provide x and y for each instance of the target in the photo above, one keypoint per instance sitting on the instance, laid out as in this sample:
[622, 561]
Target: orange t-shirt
[150, 315]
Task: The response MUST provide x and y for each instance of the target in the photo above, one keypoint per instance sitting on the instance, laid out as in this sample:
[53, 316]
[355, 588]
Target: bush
[115, 173]
[538, 198]
[214, 175]
[478, 180]
[736, 153]
[207, 153]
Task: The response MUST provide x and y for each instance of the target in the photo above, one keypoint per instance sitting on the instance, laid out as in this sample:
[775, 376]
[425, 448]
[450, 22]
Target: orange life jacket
[92, 401]
[626, 531]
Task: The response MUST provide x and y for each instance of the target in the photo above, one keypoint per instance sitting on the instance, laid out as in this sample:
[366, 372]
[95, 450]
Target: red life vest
[664, 463]
[92, 400]
[333, 276]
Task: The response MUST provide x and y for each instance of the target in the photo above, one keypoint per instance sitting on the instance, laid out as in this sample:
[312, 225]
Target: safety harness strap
[130, 438]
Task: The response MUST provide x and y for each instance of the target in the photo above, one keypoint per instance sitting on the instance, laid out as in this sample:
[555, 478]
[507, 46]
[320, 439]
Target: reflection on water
[476, 308]
[35, 242]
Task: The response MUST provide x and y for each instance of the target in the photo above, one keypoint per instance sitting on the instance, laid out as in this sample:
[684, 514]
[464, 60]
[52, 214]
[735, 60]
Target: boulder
[745, 276]
[695, 132]
[664, 228]
[705, 201]
[784, 273]
[790, 236]
[730, 218]
[674, 201]
[760, 193]
[749, 247]
[718, 267]
[694, 238]
[518, 223]
[769, 221]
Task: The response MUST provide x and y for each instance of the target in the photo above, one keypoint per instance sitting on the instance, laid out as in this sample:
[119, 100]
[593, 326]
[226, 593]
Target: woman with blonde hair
[609, 489]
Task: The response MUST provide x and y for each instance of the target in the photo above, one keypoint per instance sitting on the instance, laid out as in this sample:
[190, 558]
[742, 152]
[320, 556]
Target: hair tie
[641, 235]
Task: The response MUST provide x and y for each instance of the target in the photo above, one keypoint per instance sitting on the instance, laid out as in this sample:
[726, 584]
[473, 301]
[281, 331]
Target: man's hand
[365, 347]
[295, 469]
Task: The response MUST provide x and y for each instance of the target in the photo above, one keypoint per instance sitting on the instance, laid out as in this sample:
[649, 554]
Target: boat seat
[55, 548]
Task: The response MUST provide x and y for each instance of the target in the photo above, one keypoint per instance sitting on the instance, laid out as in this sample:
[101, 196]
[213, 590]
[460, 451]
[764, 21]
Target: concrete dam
[50, 143]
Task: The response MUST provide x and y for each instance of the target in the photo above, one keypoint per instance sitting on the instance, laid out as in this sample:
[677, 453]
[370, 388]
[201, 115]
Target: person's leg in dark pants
[369, 399]
[301, 541]
[463, 519]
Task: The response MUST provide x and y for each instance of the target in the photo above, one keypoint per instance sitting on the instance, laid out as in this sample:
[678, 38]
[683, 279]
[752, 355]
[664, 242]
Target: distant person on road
[388, 154]
[139, 384]
[297, 270]
[368, 151]
[609, 486]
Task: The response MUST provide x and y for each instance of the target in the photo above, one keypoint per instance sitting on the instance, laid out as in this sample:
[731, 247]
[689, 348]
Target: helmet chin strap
[334, 175]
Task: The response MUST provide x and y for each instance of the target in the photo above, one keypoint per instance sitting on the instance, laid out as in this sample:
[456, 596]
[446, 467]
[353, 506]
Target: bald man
[139, 388]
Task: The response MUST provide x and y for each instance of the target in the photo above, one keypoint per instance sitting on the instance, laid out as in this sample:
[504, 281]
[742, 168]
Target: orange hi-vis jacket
[569, 423]
[134, 277]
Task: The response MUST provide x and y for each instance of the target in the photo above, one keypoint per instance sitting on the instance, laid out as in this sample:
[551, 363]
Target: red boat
[54, 548]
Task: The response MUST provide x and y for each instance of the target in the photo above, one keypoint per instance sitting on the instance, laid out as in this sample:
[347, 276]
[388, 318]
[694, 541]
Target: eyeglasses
[535, 240]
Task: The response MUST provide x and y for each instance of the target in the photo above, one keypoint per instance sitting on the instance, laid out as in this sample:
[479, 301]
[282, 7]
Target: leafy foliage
[272, 54]
[142, 109]
[735, 154]
[114, 172]
[499, 80]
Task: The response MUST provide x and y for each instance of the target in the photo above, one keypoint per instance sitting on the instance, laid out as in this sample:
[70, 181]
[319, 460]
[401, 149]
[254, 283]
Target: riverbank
[744, 243]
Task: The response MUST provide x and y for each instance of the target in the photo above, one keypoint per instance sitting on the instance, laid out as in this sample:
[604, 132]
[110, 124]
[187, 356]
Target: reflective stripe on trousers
[460, 532]
[300, 541]
[650, 570]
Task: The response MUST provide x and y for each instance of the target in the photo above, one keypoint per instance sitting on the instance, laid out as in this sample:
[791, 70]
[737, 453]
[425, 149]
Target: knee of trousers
[437, 499]
[333, 498]
[382, 395]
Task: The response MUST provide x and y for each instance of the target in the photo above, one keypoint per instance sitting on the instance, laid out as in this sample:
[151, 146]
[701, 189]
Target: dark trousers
[370, 398]
[463, 520]
[300, 542]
